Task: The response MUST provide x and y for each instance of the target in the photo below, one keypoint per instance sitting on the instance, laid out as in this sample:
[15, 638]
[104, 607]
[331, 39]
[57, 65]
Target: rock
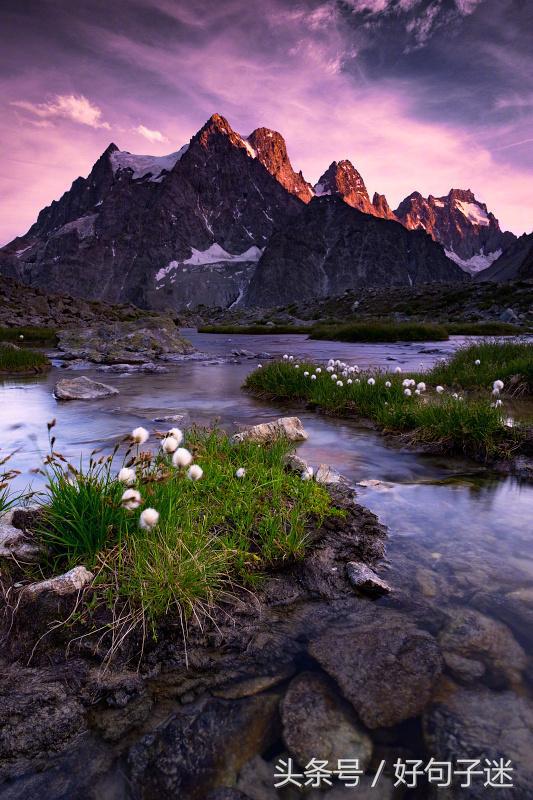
[481, 640]
[514, 608]
[319, 724]
[465, 670]
[478, 724]
[69, 583]
[227, 793]
[289, 428]
[509, 315]
[256, 780]
[15, 544]
[294, 463]
[176, 418]
[203, 748]
[365, 580]
[369, 482]
[82, 389]
[26, 517]
[384, 790]
[147, 368]
[328, 475]
[386, 671]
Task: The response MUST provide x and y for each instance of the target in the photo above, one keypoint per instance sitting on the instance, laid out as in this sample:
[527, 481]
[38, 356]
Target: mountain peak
[270, 149]
[341, 179]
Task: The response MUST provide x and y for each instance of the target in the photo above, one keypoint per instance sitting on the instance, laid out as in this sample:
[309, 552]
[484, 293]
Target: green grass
[215, 533]
[29, 334]
[254, 330]
[469, 426]
[499, 361]
[482, 328]
[380, 331]
[19, 360]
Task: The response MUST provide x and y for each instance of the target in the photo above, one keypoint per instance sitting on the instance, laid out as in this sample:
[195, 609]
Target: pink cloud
[77, 108]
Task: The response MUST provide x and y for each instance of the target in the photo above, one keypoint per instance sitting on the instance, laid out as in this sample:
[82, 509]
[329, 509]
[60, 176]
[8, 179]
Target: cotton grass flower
[182, 457]
[307, 474]
[498, 385]
[388, 384]
[313, 377]
[417, 391]
[406, 382]
[398, 370]
[407, 392]
[131, 499]
[127, 476]
[349, 381]
[140, 435]
[296, 366]
[285, 357]
[421, 386]
[291, 358]
[240, 473]
[334, 377]
[195, 472]
[169, 444]
[455, 396]
[318, 370]
[148, 519]
[497, 403]
[306, 374]
[340, 383]
[439, 389]
[176, 434]
[259, 366]
[330, 369]
[495, 392]
[477, 362]
[371, 381]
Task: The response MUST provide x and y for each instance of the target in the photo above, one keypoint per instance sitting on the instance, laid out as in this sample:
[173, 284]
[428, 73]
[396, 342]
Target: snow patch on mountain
[477, 262]
[320, 190]
[84, 226]
[473, 212]
[216, 253]
[144, 165]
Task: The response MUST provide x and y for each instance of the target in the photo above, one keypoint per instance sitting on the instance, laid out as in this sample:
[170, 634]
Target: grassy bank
[483, 329]
[211, 533]
[498, 360]
[28, 335]
[14, 360]
[384, 331]
[254, 330]
[461, 425]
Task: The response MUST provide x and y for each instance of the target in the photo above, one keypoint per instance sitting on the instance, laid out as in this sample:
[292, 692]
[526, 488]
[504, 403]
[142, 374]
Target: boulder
[365, 580]
[69, 583]
[386, 670]
[289, 428]
[317, 723]
[471, 638]
[294, 463]
[481, 724]
[515, 608]
[82, 389]
[15, 544]
[328, 476]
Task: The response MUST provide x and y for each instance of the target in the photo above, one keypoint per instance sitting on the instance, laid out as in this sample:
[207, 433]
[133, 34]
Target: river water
[459, 536]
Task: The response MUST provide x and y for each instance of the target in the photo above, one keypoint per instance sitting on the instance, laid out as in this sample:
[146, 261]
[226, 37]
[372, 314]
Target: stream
[459, 537]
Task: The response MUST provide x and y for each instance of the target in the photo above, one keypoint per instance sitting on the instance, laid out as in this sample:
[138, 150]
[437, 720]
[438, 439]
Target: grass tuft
[13, 359]
[31, 334]
[499, 361]
[381, 331]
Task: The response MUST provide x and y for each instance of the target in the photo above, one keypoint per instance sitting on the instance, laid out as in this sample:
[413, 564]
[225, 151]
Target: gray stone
[82, 389]
[317, 723]
[294, 463]
[289, 428]
[16, 545]
[365, 580]
[508, 315]
[69, 583]
[256, 780]
[328, 476]
[386, 671]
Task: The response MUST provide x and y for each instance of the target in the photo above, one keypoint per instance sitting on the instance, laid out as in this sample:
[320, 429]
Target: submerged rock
[289, 428]
[317, 723]
[386, 671]
[482, 724]
[82, 389]
[365, 580]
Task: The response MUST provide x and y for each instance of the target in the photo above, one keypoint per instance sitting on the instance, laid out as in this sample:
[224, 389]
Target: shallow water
[458, 535]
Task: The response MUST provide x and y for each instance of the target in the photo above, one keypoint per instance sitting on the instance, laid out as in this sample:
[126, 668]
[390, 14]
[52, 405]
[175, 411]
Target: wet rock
[294, 463]
[82, 389]
[257, 780]
[177, 419]
[465, 670]
[386, 671]
[69, 583]
[15, 544]
[246, 687]
[482, 640]
[38, 718]
[514, 608]
[204, 748]
[365, 580]
[289, 428]
[328, 476]
[148, 368]
[317, 723]
[478, 724]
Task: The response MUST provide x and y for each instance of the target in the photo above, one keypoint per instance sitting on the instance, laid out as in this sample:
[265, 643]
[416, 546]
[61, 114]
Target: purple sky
[418, 94]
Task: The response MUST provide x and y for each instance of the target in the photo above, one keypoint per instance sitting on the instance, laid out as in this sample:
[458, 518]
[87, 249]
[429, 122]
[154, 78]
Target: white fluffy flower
[334, 377]
[340, 383]
[149, 518]
[291, 358]
[439, 389]
[388, 384]
[318, 370]
[406, 382]
[477, 362]
[398, 370]
[313, 377]
[169, 444]
[182, 457]
[421, 386]
[127, 476]
[131, 499]
[407, 392]
[329, 369]
[177, 434]
[259, 366]
[194, 473]
[349, 381]
[495, 391]
[498, 385]
[240, 473]
[417, 391]
[306, 374]
[296, 366]
[285, 357]
[307, 474]
[455, 396]
[497, 403]
[371, 381]
[140, 435]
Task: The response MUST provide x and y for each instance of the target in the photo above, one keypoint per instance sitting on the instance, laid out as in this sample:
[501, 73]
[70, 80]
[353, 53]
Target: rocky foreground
[308, 667]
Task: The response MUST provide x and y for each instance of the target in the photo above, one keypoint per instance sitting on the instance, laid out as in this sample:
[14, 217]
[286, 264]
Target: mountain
[164, 232]
[469, 233]
[515, 263]
[270, 148]
[341, 179]
[332, 247]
